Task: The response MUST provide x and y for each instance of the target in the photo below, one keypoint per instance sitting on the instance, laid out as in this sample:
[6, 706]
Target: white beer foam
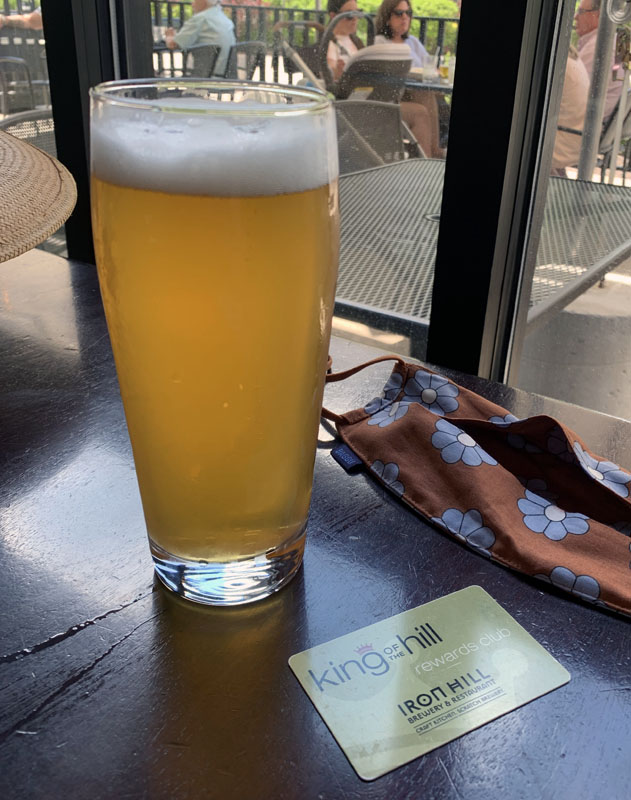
[202, 154]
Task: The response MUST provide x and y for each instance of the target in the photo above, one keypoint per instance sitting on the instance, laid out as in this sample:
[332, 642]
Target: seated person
[587, 18]
[393, 25]
[208, 25]
[419, 109]
[31, 21]
[567, 146]
[345, 41]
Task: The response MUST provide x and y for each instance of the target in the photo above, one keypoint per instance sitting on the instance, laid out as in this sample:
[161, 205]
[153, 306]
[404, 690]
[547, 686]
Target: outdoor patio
[599, 312]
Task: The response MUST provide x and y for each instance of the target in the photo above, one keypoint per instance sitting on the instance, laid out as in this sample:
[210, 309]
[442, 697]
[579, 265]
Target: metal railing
[255, 22]
[252, 21]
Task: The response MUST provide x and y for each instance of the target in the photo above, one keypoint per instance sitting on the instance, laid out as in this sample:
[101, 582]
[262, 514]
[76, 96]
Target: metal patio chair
[244, 58]
[380, 70]
[371, 134]
[16, 88]
[301, 58]
[35, 127]
[607, 138]
[203, 58]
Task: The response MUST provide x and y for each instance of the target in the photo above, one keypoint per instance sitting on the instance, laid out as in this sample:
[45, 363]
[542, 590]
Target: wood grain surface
[114, 688]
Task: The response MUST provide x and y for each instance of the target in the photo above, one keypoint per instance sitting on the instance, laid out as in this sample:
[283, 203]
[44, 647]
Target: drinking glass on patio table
[215, 221]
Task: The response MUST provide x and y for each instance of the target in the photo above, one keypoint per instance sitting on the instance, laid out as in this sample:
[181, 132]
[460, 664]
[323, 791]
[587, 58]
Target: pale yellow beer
[219, 309]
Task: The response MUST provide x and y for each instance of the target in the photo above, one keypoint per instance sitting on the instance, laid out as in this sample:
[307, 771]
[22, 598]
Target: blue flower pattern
[543, 516]
[456, 445]
[540, 513]
[583, 586]
[389, 474]
[519, 443]
[388, 413]
[468, 527]
[393, 386]
[433, 392]
[606, 472]
[538, 486]
[381, 409]
[507, 419]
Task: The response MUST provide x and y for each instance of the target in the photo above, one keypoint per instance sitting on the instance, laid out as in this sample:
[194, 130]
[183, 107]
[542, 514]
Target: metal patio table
[389, 228]
[429, 86]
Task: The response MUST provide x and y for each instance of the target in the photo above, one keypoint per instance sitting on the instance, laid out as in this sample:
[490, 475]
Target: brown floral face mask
[527, 493]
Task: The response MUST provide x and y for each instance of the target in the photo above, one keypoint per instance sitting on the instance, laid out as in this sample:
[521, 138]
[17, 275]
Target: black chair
[381, 69]
[303, 58]
[16, 88]
[200, 59]
[244, 58]
[372, 134]
[607, 138]
[35, 127]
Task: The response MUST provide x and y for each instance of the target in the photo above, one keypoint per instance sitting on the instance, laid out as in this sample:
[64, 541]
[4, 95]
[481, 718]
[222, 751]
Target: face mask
[526, 493]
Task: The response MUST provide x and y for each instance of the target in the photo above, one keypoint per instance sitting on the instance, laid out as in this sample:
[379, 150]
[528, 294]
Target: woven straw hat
[37, 195]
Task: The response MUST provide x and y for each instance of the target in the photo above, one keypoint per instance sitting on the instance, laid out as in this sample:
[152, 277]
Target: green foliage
[15, 6]
[422, 8]
[435, 8]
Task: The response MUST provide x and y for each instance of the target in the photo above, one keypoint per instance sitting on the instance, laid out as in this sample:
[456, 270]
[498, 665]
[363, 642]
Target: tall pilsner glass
[216, 230]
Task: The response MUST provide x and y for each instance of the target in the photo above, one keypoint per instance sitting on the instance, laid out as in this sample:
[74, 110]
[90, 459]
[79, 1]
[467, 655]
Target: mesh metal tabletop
[389, 230]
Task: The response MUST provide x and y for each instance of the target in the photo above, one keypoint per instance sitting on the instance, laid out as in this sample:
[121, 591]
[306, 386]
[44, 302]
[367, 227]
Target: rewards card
[406, 685]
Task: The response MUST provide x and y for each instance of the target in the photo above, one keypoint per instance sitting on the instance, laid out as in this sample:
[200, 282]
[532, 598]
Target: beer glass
[215, 220]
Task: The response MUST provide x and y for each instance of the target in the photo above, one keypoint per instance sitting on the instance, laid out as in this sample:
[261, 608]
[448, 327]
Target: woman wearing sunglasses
[418, 109]
[393, 25]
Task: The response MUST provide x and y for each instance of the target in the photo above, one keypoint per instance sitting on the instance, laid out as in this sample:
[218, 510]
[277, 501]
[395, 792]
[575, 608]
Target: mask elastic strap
[333, 377]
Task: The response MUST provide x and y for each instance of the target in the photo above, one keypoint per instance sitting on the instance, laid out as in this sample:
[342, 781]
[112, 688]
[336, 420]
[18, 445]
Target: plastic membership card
[406, 685]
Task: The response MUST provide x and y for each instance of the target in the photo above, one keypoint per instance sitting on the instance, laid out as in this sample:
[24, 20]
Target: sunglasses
[399, 13]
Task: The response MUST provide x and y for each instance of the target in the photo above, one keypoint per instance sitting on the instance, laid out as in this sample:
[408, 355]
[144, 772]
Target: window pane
[393, 99]
[25, 109]
[578, 337]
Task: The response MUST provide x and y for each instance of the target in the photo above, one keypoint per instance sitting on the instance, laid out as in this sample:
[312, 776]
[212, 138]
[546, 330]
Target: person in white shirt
[345, 42]
[208, 25]
[567, 146]
[586, 19]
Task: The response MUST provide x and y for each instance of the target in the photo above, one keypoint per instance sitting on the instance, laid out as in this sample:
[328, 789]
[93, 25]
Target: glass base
[230, 583]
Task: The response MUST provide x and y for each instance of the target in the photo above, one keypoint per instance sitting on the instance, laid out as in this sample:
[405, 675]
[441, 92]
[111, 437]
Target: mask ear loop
[333, 377]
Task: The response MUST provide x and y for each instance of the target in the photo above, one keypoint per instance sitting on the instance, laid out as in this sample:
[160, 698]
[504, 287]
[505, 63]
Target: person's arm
[169, 38]
[32, 21]
[188, 33]
[336, 64]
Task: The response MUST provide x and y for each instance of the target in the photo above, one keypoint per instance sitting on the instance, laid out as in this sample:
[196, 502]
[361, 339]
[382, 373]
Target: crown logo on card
[364, 648]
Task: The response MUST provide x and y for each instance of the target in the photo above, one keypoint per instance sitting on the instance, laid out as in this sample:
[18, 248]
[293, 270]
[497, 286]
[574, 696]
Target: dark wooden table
[113, 688]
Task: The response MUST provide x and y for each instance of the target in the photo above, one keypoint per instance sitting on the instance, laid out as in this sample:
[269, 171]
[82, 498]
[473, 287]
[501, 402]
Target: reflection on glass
[388, 249]
[578, 337]
[221, 703]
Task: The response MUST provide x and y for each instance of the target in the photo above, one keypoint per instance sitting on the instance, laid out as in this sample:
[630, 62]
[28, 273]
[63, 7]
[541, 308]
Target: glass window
[577, 342]
[391, 70]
